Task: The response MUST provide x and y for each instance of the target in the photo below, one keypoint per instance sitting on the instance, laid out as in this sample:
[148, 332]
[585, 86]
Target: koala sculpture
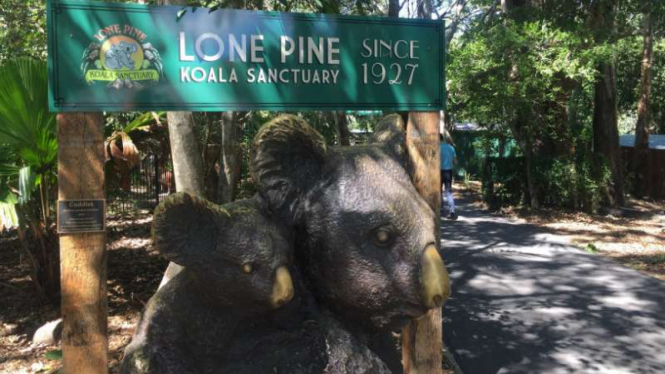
[366, 240]
[120, 55]
[364, 252]
[236, 262]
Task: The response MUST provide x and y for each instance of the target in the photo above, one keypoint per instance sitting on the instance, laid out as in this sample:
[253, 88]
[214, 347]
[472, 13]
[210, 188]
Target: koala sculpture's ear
[185, 228]
[391, 132]
[287, 158]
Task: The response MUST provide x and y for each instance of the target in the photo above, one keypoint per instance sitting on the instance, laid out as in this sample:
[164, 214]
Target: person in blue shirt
[448, 160]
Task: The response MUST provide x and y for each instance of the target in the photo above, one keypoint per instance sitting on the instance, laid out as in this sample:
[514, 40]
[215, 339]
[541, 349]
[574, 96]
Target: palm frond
[26, 124]
[26, 185]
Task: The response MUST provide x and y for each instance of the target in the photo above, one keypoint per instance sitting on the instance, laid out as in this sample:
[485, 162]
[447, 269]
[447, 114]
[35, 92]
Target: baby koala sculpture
[236, 269]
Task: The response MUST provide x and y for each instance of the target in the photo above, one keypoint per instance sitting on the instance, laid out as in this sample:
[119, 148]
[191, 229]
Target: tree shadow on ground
[134, 267]
[525, 301]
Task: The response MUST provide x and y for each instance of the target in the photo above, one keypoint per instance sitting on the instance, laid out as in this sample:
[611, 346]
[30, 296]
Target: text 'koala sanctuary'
[314, 51]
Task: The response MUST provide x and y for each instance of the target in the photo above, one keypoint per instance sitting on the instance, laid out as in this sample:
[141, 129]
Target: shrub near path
[634, 236]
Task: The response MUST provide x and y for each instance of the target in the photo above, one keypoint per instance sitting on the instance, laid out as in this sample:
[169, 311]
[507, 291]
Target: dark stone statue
[236, 269]
[337, 245]
[364, 233]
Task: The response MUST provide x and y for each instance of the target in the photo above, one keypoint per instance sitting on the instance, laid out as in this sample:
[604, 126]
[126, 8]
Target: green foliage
[27, 166]
[22, 29]
[531, 72]
[570, 184]
[591, 248]
[361, 7]
[129, 122]
[658, 86]
[323, 122]
[509, 182]
[484, 83]
[564, 183]
[26, 125]
[27, 131]
[54, 355]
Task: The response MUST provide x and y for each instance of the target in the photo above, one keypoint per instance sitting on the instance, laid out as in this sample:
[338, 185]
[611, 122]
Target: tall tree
[16, 39]
[231, 153]
[342, 125]
[187, 163]
[393, 8]
[455, 14]
[644, 114]
[230, 157]
[519, 120]
[605, 112]
[28, 161]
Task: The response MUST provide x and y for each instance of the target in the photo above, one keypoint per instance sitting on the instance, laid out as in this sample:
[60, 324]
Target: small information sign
[79, 216]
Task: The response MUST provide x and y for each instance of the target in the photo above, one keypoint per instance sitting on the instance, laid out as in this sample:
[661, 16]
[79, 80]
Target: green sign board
[121, 57]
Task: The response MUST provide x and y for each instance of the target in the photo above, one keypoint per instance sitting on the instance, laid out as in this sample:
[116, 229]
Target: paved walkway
[526, 301]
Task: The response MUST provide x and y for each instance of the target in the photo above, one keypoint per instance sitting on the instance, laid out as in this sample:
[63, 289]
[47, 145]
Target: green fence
[472, 148]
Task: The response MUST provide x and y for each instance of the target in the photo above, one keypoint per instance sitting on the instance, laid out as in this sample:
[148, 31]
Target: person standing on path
[448, 160]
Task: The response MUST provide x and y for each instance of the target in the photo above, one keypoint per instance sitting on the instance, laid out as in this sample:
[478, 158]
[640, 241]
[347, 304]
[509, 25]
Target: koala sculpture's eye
[247, 268]
[383, 237]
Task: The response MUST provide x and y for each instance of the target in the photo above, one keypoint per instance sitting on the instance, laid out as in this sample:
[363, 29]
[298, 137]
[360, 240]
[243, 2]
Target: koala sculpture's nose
[282, 289]
[433, 278]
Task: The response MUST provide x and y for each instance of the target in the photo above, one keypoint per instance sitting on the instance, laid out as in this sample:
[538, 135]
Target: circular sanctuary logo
[121, 57]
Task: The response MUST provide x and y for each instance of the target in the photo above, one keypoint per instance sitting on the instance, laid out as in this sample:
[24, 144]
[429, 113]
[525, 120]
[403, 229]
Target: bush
[570, 183]
[28, 148]
[510, 182]
[561, 182]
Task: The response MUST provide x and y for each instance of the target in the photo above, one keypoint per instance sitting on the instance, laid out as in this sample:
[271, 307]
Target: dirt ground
[633, 236]
[134, 272]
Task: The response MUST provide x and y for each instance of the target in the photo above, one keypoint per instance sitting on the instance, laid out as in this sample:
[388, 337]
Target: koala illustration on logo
[120, 55]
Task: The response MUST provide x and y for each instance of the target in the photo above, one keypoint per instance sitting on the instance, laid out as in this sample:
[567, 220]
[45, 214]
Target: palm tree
[29, 151]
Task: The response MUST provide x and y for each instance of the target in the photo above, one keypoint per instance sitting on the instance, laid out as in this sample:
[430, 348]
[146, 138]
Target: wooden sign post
[422, 345]
[83, 253]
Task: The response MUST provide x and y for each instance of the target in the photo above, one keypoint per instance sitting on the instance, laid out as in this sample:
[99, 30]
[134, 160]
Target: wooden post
[422, 345]
[82, 255]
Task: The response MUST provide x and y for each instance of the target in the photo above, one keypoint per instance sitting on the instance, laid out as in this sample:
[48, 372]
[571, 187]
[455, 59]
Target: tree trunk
[534, 202]
[424, 9]
[605, 128]
[230, 158]
[487, 180]
[448, 124]
[187, 163]
[422, 339]
[393, 8]
[519, 122]
[605, 113]
[83, 255]
[342, 128]
[518, 126]
[644, 116]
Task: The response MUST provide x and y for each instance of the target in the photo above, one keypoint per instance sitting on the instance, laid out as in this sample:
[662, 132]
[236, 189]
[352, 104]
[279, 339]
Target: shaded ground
[526, 300]
[134, 272]
[633, 236]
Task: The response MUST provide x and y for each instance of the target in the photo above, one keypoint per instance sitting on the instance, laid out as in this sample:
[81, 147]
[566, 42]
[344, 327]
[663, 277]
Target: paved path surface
[526, 301]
